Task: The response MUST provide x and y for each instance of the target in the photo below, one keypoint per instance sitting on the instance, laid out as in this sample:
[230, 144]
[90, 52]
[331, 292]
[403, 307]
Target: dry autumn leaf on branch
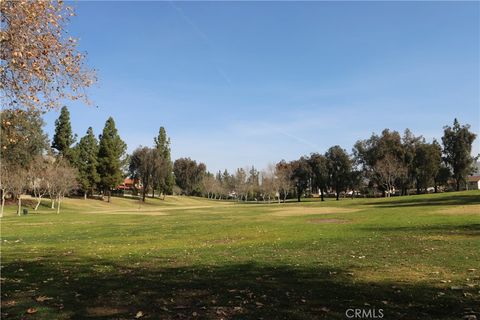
[40, 65]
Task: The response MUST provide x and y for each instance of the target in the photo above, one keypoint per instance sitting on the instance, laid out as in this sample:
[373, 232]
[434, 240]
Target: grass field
[415, 257]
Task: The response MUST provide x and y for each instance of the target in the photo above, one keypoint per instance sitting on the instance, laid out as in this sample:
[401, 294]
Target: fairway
[415, 257]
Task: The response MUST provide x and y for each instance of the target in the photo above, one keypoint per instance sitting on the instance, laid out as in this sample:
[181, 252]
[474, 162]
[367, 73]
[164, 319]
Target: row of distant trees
[387, 163]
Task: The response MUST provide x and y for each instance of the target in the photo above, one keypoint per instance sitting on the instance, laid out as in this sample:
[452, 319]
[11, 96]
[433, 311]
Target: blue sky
[248, 83]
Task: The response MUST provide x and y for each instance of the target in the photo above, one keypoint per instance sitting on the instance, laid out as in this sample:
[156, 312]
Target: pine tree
[63, 138]
[87, 163]
[110, 157]
[164, 177]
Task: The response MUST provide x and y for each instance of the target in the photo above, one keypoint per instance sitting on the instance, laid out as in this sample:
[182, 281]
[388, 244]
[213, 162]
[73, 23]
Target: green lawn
[415, 257]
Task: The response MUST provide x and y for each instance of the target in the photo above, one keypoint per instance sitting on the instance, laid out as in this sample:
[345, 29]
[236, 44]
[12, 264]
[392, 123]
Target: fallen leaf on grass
[43, 298]
[31, 310]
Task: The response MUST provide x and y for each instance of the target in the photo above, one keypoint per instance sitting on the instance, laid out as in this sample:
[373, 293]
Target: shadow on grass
[98, 289]
[421, 200]
[472, 229]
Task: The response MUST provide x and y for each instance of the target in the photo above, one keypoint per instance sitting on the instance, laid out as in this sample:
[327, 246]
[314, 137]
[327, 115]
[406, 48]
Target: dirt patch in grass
[301, 211]
[105, 311]
[470, 209]
[334, 221]
[155, 212]
[33, 224]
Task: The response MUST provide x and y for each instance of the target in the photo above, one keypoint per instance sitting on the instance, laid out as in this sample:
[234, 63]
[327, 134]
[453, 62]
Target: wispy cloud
[203, 36]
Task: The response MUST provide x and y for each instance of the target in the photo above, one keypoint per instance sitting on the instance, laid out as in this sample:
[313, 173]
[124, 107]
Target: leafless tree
[65, 182]
[269, 184]
[388, 170]
[283, 173]
[14, 182]
[38, 174]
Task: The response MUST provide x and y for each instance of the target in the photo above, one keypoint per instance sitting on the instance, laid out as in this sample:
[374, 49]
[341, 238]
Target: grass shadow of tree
[99, 289]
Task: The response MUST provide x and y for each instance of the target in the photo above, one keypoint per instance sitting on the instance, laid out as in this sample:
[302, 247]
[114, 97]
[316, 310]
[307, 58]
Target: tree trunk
[19, 208]
[109, 195]
[3, 204]
[39, 200]
[298, 196]
[52, 201]
[58, 205]
[85, 195]
[418, 187]
[337, 194]
[322, 195]
[144, 194]
[436, 188]
[458, 184]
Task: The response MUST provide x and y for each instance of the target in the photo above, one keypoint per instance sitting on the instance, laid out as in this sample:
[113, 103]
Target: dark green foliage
[339, 169]
[388, 147]
[301, 173]
[427, 163]
[144, 166]
[86, 162]
[111, 154]
[410, 143]
[63, 137]
[163, 179]
[319, 171]
[457, 146]
[22, 137]
[189, 175]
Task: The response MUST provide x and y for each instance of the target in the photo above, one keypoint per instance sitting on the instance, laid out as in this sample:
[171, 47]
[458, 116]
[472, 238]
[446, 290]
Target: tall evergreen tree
[111, 152]
[87, 163]
[457, 148]
[63, 137]
[164, 179]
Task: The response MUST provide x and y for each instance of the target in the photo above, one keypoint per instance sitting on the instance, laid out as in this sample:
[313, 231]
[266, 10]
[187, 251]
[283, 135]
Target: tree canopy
[41, 66]
[457, 147]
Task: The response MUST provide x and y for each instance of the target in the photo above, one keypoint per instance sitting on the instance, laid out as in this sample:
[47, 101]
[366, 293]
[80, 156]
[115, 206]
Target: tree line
[385, 163]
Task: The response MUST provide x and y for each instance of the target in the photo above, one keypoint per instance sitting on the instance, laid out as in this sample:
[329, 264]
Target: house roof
[128, 181]
[473, 178]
